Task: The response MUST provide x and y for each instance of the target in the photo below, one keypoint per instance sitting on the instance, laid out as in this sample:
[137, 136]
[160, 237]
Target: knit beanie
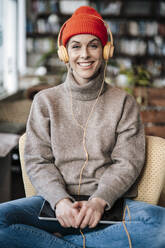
[85, 20]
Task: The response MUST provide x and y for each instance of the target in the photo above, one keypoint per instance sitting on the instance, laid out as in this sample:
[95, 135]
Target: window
[1, 49]
[12, 44]
[10, 79]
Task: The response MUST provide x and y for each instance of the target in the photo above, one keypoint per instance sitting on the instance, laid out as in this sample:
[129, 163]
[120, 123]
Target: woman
[84, 138]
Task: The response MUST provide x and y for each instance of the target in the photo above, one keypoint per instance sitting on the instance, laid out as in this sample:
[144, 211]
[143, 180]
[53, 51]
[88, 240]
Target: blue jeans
[21, 228]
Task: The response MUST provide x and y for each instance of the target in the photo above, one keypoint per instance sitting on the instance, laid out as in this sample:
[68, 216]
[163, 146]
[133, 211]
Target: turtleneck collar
[87, 91]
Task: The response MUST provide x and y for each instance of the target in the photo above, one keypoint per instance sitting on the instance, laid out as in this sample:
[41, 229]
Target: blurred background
[29, 63]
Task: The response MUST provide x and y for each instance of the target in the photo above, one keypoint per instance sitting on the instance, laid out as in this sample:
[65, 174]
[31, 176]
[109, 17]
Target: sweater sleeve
[128, 155]
[39, 159]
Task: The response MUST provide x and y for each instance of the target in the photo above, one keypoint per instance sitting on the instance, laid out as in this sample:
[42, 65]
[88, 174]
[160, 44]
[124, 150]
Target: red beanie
[84, 21]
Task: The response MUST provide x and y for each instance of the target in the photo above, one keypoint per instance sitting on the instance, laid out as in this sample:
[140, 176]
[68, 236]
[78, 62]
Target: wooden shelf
[137, 37]
[45, 15]
[41, 35]
[144, 56]
[135, 17]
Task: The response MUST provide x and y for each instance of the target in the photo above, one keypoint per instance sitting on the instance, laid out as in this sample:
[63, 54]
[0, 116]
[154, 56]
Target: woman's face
[85, 56]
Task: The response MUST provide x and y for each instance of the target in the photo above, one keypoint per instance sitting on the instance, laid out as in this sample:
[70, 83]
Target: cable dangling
[125, 228]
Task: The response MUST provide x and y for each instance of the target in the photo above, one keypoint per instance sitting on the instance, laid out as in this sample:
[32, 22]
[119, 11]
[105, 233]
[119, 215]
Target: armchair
[151, 183]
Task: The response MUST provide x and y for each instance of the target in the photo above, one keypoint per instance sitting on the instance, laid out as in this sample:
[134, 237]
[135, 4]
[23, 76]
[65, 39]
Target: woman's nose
[84, 53]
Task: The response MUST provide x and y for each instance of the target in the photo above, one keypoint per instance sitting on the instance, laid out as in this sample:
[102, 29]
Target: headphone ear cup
[108, 51]
[63, 54]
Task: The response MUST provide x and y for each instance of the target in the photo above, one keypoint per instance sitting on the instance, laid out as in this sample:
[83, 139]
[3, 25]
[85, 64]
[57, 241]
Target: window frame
[13, 52]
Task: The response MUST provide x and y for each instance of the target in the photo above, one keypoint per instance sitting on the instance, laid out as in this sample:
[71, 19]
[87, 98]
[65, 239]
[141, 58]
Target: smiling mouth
[85, 64]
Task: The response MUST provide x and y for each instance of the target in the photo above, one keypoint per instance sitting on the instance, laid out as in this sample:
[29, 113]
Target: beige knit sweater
[54, 152]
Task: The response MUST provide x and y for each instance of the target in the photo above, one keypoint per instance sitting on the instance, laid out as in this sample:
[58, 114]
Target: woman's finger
[91, 221]
[73, 220]
[95, 220]
[62, 223]
[68, 220]
[77, 204]
[86, 219]
[81, 215]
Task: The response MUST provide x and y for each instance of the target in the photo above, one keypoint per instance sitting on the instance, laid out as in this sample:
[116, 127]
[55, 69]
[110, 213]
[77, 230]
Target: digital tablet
[112, 216]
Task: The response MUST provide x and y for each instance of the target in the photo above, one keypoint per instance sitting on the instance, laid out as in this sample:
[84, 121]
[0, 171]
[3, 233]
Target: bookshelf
[138, 28]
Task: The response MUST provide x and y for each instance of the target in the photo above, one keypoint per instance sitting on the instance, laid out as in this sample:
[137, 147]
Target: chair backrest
[151, 183]
[29, 189]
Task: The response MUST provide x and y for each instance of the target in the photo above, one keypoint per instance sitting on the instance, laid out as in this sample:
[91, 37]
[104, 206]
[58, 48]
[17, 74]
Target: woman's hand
[90, 212]
[66, 213]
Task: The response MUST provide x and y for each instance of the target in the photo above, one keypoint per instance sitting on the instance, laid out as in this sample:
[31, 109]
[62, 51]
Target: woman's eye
[94, 45]
[75, 46]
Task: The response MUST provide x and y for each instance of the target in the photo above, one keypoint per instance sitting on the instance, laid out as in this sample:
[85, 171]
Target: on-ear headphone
[107, 50]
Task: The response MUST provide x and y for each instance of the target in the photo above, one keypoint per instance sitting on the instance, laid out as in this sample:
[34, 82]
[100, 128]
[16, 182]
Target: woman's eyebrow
[95, 39]
[75, 41]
